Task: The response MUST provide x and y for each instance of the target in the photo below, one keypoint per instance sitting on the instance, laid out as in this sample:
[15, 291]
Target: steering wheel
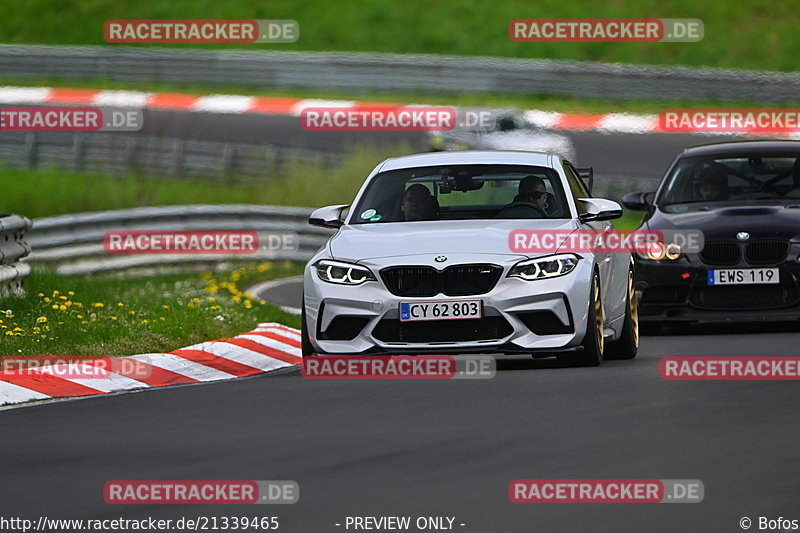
[536, 207]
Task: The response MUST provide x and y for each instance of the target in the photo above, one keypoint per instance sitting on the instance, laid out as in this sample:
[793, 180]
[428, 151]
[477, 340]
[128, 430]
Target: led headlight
[550, 266]
[343, 273]
[658, 251]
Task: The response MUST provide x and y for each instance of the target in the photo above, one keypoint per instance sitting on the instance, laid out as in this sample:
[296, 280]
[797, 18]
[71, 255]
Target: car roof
[739, 147]
[471, 157]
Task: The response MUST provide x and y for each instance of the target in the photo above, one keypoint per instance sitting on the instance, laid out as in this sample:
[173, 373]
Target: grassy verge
[298, 184]
[113, 316]
[738, 33]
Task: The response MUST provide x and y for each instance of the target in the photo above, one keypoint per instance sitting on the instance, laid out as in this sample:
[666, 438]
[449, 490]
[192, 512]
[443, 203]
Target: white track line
[10, 393]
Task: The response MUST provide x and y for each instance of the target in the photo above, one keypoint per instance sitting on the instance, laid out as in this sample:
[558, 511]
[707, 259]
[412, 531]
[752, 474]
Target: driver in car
[533, 190]
[530, 202]
[419, 204]
[713, 186]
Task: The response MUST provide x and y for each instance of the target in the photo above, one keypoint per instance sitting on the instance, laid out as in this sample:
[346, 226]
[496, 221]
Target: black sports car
[745, 198]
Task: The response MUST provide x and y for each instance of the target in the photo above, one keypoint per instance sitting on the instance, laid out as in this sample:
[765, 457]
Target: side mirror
[587, 175]
[637, 201]
[328, 217]
[598, 209]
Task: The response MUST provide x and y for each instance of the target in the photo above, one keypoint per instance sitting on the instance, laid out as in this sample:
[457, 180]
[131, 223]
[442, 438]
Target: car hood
[357, 242]
[725, 222]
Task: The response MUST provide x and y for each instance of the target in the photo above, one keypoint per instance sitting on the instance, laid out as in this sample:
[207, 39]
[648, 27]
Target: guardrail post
[12, 249]
[78, 151]
[30, 150]
[177, 159]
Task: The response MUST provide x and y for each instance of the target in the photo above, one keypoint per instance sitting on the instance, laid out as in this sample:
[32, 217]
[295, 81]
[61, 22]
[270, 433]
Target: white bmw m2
[422, 264]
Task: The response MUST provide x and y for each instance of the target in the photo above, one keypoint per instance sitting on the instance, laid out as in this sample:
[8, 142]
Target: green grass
[756, 34]
[115, 316]
[298, 184]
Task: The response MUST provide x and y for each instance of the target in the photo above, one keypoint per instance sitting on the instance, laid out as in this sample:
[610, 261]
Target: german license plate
[440, 310]
[744, 276]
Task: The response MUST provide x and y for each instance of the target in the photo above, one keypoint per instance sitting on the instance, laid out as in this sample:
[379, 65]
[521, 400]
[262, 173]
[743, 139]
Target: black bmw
[745, 199]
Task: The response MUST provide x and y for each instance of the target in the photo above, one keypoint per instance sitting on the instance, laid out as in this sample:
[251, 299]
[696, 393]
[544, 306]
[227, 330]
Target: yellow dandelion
[41, 319]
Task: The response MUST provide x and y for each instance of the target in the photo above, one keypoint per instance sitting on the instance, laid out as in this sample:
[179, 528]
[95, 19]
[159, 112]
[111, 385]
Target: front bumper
[518, 316]
[678, 292]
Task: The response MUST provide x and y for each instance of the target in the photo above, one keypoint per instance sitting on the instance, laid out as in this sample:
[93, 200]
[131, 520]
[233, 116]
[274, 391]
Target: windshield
[733, 179]
[462, 192]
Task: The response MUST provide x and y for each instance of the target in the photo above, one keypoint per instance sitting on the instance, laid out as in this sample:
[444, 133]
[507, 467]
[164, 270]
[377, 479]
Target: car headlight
[343, 273]
[658, 251]
[550, 266]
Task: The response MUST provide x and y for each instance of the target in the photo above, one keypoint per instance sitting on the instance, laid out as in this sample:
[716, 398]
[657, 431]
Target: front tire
[593, 342]
[627, 345]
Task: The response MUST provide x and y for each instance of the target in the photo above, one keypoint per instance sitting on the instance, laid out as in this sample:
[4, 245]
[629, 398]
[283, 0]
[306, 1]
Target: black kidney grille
[720, 253]
[411, 281]
[457, 280]
[766, 252]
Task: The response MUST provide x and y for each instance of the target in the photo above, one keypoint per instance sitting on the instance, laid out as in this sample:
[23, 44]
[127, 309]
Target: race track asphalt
[438, 448]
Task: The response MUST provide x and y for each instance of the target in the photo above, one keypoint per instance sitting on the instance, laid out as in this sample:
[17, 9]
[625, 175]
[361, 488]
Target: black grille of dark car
[720, 253]
[766, 252]
[744, 296]
[472, 329]
[457, 280]
[665, 295]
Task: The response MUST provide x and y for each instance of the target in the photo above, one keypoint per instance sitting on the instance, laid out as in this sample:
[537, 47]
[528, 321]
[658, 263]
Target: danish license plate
[744, 276]
[440, 310]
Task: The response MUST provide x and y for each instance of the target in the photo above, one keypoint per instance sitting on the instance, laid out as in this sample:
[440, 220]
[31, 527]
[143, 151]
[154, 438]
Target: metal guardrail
[369, 72]
[73, 243]
[12, 249]
[119, 154]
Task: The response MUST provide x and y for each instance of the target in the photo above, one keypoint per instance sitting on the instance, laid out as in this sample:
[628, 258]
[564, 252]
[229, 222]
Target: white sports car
[503, 130]
[422, 264]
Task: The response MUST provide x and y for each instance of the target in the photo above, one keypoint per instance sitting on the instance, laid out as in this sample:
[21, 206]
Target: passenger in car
[419, 204]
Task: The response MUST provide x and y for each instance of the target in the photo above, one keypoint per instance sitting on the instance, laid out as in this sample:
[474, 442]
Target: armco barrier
[12, 249]
[73, 243]
[368, 72]
[121, 153]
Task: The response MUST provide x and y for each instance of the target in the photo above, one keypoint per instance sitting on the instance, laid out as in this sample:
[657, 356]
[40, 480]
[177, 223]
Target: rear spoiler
[587, 174]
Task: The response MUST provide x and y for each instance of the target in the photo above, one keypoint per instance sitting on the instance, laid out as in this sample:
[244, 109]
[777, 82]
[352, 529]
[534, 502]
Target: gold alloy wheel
[598, 316]
[634, 306]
